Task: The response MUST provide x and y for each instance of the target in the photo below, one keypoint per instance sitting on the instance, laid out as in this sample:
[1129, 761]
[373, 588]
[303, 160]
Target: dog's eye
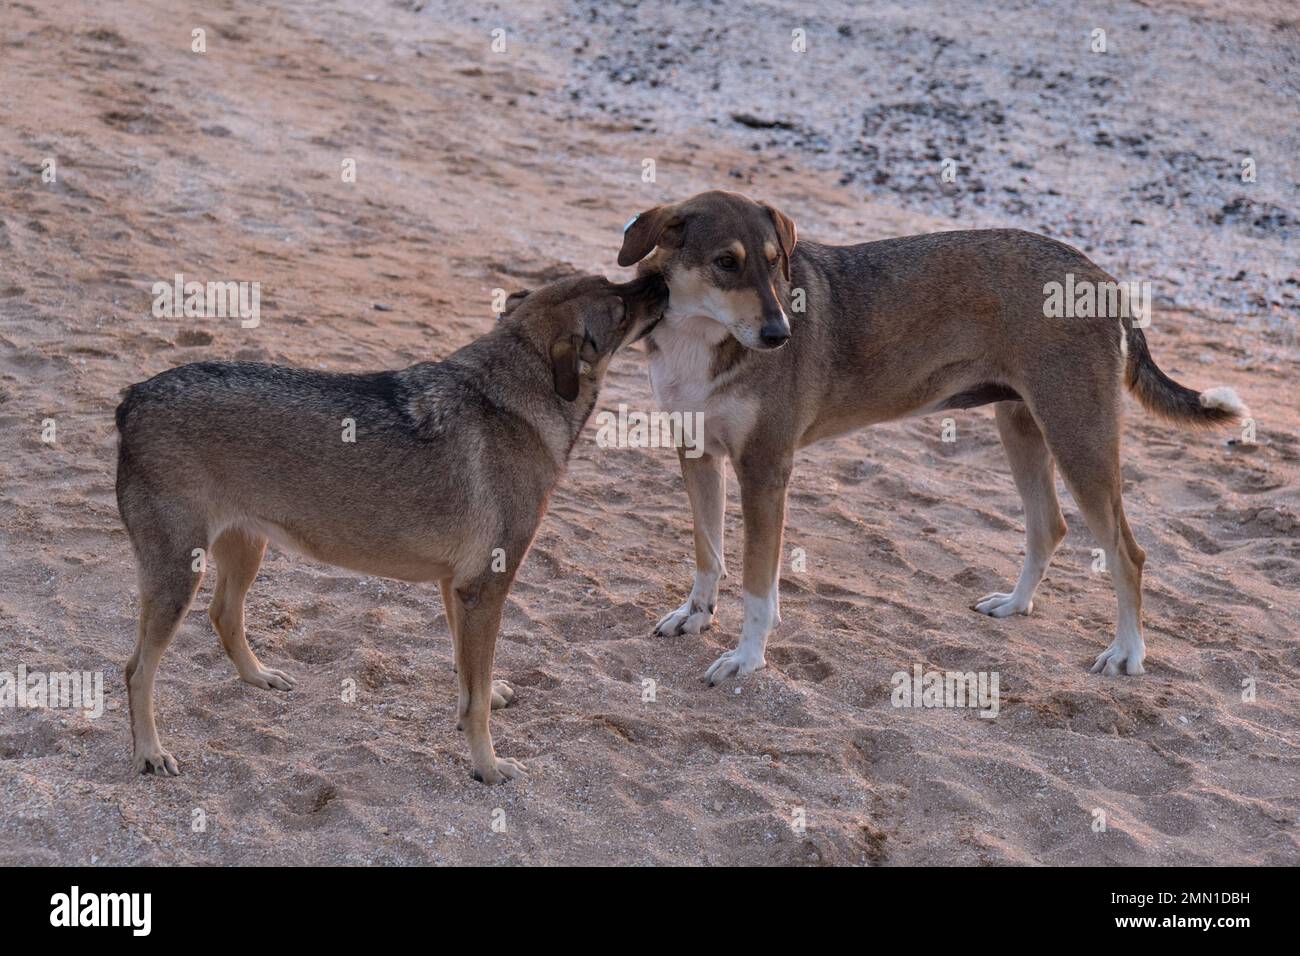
[726, 263]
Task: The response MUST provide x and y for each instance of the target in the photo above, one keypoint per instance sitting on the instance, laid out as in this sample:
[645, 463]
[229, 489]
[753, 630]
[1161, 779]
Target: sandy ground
[478, 170]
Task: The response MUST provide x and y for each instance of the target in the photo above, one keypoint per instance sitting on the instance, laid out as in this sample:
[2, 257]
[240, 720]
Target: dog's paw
[690, 618]
[502, 694]
[1126, 655]
[1002, 605]
[269, 679]
[735, 663]
[505, 769]
[156, 760]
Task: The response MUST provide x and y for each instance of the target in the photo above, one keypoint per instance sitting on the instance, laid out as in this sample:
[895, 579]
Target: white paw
[1002, 605]
[735, 663]
[268, 678]
[690, 618]
[502, 694]
[1121, 654]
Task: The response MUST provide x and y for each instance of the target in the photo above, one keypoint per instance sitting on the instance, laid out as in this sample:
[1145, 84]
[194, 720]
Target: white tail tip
[1226, 399]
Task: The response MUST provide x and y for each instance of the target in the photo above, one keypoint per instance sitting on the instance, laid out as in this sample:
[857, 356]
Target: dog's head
[723, 256]
[580, 323]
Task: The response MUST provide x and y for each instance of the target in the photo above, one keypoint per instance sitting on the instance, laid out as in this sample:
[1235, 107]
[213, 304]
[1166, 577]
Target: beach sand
[479, 170]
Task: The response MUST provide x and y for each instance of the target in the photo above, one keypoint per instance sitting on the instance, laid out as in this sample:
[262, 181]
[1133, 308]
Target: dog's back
[292, 452]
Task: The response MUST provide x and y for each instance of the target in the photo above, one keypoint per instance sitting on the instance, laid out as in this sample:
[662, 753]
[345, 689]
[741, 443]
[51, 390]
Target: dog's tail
[1161, 395]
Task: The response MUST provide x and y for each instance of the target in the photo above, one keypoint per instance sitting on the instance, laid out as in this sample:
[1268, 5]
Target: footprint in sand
[323, 647]
[799, 663]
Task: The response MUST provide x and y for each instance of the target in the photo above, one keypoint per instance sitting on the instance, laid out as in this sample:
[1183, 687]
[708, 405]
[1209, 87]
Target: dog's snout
[774, 333]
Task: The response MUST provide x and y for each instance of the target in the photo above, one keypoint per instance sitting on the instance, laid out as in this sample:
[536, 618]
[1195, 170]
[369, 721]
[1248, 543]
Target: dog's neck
[690, 356]
[530, 393]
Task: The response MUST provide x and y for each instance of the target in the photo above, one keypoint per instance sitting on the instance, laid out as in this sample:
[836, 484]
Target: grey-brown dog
[880, 331]
[446, 478]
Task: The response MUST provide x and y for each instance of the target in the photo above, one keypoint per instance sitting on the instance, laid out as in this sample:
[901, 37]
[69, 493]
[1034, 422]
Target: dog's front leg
[477, 615]
[763, 480]
[502, 692]
[706, 486]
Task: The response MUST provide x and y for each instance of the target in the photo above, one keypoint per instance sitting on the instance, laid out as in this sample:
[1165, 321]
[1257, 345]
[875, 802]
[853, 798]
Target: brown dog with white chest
[780, 342]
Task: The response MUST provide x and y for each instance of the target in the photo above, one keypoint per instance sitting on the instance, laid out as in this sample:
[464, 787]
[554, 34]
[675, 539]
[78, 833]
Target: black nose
[774, 335]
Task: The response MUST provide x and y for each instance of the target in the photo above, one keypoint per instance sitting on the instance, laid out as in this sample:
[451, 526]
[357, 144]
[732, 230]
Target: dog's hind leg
[1035, 476]
[1086, 448]
[503, 694]
[168, 580]
[478, 619]
[449, 608]
[238, 555]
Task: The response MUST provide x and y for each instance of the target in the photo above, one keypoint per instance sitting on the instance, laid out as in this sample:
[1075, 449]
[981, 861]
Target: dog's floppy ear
[786, 234]
[660, 226]
[602, 330]
[564, 366]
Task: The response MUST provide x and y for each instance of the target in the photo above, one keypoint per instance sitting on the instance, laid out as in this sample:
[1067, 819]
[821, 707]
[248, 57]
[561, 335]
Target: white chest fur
[680, 377]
